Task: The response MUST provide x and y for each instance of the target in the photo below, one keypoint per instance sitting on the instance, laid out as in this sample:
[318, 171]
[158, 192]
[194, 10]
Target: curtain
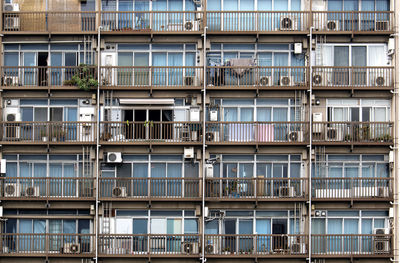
[377, 56]
[296, 5]
[56, 73]
[174, 226]
[246, 20]
[124, 75]
[245, 242]
[69, 184]
[350, 243]
[40, 170]
[190, 61]
[71, 115]
[160, 21]
[141, 74]
[334, 242]
[280, 60]
[139, 227]
[125, 19]
[56, 183]
[263, 229]
[159, 76]
[214, 19]
[265, 18]
[140, 170]
[231, 21]
[175, 75]
[366, 242]
[280, 129]
[174, 187]
[158, 174]
[281, 5]
[29, 71]
[55, 227]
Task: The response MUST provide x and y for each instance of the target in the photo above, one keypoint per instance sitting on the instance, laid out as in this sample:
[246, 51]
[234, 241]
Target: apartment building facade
[194, 131]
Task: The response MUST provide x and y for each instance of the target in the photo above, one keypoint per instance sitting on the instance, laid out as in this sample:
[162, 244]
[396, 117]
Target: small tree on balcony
[84, 78]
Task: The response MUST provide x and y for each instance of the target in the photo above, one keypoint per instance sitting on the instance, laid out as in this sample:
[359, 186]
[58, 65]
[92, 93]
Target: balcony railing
[256, 132]
[150, 132]
[49, 22]
[353, 132]
[150, 244]
[257, 77]
[46, 188]
[352, 188]
[260, 21]
[376, 22]
[154, 77]
[260, 245]
[152, 21]
[48, 132]
[35, 77]
[42, 244]
[352, 245]
[260, 188]
[150, 188]
[353, 77]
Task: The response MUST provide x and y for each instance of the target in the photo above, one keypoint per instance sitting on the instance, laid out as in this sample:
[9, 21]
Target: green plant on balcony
[84, 78]
[43, 135]
[226, 250]
[347, 138]
[58, 134]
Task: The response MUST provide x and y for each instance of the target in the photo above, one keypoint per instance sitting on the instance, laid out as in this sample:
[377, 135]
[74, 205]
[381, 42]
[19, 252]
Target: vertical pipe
[310, 145]
[396, 186]
[203, 260]
[96, 229]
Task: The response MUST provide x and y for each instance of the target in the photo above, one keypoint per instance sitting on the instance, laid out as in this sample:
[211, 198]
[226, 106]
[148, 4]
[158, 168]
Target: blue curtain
[56, 73]
[140, 170]
[366, 242]
[246, 20]
[25, 241]
[175, 76]
[174, 187]
[334, 242]
[159, 74]
[125, 19]
[230, 19]
[245, 242]
[265, 60]
[158, 171]
[190, 61]
[298, 74]
[280, 60]
[142, 20]
[124, 75]
[296, 5]
[56, 183]
[160, 20]
[29, 73]
[263, 228]
[214, 19]
[40, 170]
[69, 184]
[350, 243]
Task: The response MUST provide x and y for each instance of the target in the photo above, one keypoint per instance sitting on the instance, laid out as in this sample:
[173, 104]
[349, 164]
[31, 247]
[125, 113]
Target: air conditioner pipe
[310, 147]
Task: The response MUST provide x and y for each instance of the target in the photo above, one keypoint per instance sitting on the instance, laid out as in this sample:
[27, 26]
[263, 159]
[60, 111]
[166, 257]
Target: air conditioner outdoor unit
[192, 25]
[265, 81]
[333, 134]
[119, 192]
[32, 191]
[12, 190]
[378, 80]
[286, 191]
[298, 248]
[11, 81]
[332, 25]
[212, 136]
[381, 25]
[381, 231]
[288, 22]
[11, 7]
[318, 79]
[295, 136]
[286, 81]
[114, 157]
[211, 249]
[72, 248]
[13, 117]
[11, 23]
[190, 248]
[190, 81]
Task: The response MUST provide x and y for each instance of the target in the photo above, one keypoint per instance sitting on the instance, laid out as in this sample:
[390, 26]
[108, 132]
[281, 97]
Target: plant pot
[44, 138]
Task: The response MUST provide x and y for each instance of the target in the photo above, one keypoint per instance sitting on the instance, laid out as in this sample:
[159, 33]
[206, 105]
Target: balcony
[252, 189]
[353, 22]
[247, 22]
[149, 132]
[256, 77]
[360, 189]
[256, 245]
[142, 22]
[46, 188]
[24, 132]
[349, 133]
[181, 78]
[352, 246]
[128, 189]
[333, 78]
[146, 245]
[17, 78]
[263, 133]
[64, 245]
[49, 22]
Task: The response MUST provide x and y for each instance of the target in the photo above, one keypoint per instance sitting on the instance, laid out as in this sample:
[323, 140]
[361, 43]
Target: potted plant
[227, 250]
[43, 135]
[58, 135]
[85, 78]
[347, 138]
